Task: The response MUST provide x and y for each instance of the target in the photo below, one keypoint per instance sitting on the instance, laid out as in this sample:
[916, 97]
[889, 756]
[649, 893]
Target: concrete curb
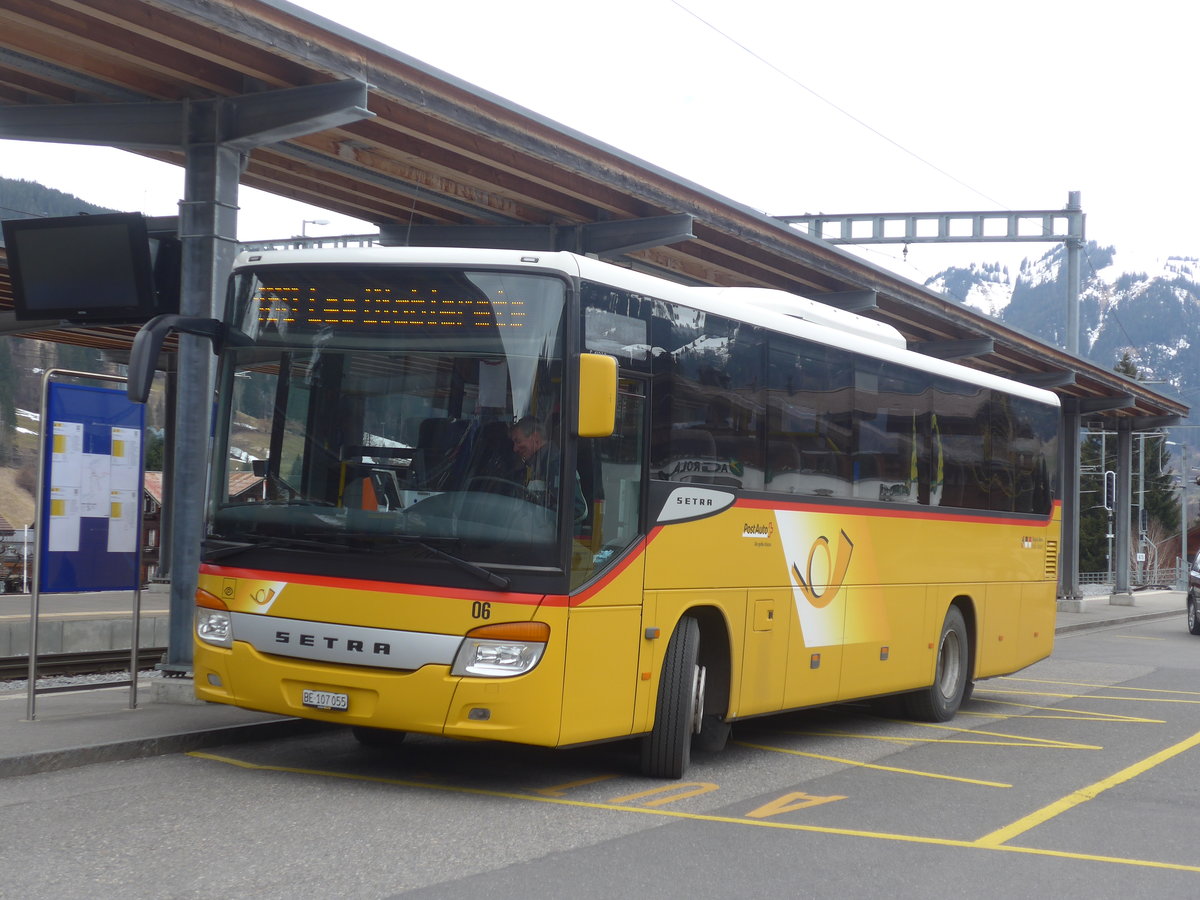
[1123, 620]
[140, 748]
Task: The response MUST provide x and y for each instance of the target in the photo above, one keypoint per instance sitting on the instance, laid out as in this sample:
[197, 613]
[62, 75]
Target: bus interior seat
[438, 443]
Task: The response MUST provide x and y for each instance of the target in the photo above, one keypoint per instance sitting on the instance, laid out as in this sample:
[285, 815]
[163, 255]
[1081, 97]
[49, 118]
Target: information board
[90, 521]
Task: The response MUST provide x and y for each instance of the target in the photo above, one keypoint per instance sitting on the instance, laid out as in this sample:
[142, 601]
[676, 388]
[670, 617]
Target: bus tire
[382, 738]
[941, 700]
[667, 749]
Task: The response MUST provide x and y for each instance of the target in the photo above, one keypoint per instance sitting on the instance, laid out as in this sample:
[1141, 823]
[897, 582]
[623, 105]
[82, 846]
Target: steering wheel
[493, 484]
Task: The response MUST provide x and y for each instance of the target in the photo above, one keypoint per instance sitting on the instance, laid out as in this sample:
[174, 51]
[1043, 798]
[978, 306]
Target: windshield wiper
[268, 543]
[497, 581]
[290, 543]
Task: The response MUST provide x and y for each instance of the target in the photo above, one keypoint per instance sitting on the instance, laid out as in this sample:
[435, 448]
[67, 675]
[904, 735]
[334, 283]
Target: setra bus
[538, 498]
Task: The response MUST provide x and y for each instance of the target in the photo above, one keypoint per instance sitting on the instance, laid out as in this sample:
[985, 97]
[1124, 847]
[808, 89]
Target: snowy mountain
[1146, 307]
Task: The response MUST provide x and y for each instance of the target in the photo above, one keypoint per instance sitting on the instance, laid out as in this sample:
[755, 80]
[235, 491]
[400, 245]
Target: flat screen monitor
[82, 268]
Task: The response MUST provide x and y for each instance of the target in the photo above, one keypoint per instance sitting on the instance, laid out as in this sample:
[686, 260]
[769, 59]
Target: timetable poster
[66, 476]
[93, 486]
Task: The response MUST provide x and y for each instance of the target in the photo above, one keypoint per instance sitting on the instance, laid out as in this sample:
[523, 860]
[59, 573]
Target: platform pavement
[84, 727]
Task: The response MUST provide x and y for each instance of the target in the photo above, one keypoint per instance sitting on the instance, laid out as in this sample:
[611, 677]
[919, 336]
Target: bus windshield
[380, 411]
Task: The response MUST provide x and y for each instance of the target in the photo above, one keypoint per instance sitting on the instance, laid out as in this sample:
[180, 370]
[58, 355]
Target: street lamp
[304, 225]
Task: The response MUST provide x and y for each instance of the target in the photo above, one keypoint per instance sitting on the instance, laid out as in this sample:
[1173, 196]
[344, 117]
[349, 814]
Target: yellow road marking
[1095, 696]
[1014, 740]
[1133, 637]
[1049, 742]
[680, 791]
[1079, 715]
[702, 817]
[559, 789]
[866, 765]
[1104, 687]
[1046, 813]
[888, 739]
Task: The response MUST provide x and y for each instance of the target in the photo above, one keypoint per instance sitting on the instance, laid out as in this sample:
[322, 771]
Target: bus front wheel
[667, 749]
[941, 700]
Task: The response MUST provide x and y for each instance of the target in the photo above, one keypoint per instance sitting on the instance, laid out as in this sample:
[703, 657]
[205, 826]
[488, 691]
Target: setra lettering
[350, 645]
[694, 501]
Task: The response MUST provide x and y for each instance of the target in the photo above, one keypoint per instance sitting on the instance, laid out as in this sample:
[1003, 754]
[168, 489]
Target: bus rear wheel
[667, 749]
[941, 700]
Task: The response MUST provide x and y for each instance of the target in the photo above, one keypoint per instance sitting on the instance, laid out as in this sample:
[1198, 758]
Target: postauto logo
[818, 594]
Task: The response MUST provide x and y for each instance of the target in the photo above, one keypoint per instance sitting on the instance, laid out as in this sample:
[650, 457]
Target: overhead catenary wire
[849, 115]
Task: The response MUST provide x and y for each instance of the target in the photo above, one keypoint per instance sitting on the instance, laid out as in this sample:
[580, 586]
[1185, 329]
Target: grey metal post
[1070, 597]
[1074, 251]
[1141, 507]
[168, 475]
[1181, 581]
[1122, 596]
[208, 234]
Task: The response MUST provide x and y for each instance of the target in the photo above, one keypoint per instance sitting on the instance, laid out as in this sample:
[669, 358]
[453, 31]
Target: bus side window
[809, 412]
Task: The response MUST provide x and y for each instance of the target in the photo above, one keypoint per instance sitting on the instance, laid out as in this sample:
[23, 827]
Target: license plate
[325, 699]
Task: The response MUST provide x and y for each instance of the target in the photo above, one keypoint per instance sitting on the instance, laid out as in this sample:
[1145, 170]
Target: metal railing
[1168, 576]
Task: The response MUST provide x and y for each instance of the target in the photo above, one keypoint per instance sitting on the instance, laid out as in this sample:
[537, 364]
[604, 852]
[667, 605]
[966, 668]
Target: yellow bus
[537, 498]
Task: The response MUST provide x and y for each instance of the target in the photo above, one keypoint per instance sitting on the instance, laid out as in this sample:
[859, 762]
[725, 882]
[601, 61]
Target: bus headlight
[214, 625]
[501, 651]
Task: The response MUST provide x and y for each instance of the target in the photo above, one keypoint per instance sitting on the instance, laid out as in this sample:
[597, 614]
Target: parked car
[1193, 596]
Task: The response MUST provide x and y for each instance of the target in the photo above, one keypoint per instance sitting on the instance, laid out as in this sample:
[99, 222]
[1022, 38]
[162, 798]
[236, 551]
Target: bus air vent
[1051, 560]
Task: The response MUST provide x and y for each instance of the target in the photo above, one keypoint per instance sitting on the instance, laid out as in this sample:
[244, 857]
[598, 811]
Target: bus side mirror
[143, 358]
[597, 395]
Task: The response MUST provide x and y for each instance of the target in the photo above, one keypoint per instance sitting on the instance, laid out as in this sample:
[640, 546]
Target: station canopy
[440, 152]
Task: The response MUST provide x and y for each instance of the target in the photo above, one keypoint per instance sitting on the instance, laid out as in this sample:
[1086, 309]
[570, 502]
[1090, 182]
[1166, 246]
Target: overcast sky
[794, 107]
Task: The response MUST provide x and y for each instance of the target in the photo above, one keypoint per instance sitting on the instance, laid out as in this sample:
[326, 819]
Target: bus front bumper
[428, 700]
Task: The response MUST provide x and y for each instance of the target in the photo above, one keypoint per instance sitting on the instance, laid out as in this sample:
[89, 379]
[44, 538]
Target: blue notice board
[90, 522]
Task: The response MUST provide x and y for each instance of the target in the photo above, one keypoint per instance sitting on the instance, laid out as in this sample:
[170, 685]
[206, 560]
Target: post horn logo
[823, 597]
[263, 596]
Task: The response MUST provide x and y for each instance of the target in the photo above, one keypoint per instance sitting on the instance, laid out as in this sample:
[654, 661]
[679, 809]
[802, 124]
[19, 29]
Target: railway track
[92, 663]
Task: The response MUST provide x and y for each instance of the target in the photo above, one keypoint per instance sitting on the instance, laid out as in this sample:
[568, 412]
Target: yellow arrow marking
[789, 803]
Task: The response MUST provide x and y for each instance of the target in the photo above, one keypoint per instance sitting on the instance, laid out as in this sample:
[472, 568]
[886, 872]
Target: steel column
[208, 234]
[1121, 589]
[1070, 596]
